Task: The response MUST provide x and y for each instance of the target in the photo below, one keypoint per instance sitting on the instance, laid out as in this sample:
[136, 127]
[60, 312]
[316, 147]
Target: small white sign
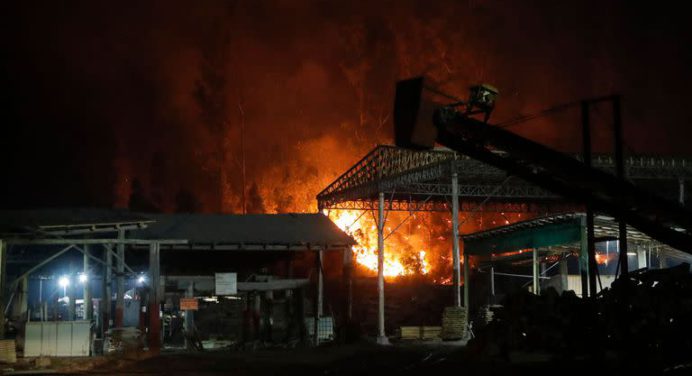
[226, 283]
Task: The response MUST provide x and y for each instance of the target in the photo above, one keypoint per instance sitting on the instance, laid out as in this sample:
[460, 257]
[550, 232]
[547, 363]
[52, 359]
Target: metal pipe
[27, 241]
[518, 276]
[492, 283]
[41, 264]
[564, 275]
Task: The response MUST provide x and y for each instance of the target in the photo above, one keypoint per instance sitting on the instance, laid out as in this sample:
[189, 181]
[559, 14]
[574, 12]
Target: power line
[547, 111]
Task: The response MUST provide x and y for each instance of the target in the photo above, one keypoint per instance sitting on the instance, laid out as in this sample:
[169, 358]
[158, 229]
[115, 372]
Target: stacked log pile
[645, 319]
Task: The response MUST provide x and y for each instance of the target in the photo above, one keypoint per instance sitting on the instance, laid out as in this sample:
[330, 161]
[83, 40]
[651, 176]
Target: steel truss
[421, 181]
[464, 206]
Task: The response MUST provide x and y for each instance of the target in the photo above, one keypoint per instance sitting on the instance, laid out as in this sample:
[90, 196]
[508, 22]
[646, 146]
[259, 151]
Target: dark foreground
[361, 359]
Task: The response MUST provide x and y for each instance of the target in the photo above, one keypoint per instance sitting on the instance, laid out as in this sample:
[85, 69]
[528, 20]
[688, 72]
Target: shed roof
[248, 232]
[66, 221]
[555, 230]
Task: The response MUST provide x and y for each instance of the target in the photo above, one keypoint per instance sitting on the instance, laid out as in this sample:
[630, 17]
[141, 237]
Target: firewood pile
[646, 318]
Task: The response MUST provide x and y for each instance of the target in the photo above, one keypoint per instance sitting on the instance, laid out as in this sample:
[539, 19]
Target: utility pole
[620, 171]
[590, 243]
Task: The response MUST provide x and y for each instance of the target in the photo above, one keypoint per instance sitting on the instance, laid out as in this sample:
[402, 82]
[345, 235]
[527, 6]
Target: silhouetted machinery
[421, 119]
[415, 106]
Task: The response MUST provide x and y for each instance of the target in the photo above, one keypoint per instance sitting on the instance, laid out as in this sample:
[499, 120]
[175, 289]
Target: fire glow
[399, 259]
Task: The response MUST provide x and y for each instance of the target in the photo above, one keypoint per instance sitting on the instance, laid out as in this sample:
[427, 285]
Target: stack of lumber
[453, 323]
[420, 332]
[8, 351]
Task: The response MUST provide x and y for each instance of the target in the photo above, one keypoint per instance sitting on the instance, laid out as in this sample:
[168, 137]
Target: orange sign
[188, 304]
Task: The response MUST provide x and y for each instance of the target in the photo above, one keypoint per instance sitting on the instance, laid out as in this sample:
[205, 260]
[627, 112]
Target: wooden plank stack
[430, 332]
[453, 323]
[8, 351]
[410, 332]
[420, 332]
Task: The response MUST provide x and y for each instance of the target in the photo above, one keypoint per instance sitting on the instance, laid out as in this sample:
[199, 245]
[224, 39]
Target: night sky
[141, 104]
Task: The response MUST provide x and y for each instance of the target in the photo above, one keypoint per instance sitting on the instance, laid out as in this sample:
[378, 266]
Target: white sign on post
[226, 283]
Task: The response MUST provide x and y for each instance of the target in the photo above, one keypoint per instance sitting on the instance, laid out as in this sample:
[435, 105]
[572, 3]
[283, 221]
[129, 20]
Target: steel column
[456, 281]
[189, 322]
[536, 289]
[584, 260]
[591, 251]
[320, 284]
[106, 290]
[3, 263]
[88, 305]
[681, 187]
[20, 306]
[348, 283]
[381, 337]
[154, 298]
[590, 244]
[641, 258]
[120, 282]
[564, 275]
[620, 172]
[318, 296]
[71, 295]
[467, 269]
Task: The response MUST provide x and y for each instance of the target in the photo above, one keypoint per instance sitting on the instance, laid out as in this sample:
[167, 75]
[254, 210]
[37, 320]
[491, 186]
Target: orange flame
[399, 258]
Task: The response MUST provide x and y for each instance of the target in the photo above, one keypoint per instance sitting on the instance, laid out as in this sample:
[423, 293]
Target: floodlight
[64, 281]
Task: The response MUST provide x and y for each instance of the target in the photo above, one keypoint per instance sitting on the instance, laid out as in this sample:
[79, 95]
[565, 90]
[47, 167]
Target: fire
[602, 258]
[399, 259]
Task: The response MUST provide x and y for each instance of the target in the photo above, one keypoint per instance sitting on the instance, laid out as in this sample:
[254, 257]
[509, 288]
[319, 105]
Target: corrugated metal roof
[250, 229]
[604, 227]
[22, 221]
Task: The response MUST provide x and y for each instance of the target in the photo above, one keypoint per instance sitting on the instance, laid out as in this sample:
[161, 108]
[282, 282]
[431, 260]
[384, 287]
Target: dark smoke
[106, 103]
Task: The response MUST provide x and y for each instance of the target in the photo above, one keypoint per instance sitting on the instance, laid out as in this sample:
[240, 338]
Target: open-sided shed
[556, 235]
[58, 231]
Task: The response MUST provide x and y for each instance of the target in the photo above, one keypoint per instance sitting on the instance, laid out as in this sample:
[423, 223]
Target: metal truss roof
[421, 181]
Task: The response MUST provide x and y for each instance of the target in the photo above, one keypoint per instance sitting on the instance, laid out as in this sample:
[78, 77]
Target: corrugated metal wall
[57, 338]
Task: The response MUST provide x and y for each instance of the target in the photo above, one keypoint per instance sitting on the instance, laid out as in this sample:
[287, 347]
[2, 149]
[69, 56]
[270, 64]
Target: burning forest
[215, 172]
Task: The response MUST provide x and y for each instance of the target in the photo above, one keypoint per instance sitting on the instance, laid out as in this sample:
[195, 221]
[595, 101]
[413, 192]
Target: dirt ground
[358, 359]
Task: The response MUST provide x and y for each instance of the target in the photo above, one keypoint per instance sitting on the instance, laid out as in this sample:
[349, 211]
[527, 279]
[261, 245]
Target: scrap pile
[646, 319]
